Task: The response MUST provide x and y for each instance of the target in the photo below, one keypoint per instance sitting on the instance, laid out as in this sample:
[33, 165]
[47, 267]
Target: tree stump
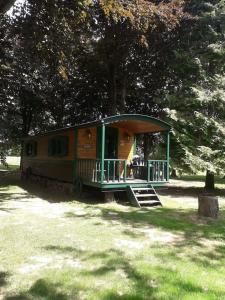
[208, 206]
[109, 197]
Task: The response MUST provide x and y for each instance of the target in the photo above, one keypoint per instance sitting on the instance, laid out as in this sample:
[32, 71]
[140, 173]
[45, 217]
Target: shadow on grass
[6, 198]
[88, 197]
[41, 289]
[112, 261]
[62, 249]
[141, 283]
[182, 221]
[33, 190]
[204, 234]
[3, 278]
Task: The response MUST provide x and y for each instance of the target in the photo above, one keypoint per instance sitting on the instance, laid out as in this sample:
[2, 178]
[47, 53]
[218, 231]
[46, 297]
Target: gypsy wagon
[99, 154]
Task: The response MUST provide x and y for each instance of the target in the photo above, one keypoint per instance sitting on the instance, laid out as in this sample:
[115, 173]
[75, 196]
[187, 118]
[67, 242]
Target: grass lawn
[52, 249]
[13, 162]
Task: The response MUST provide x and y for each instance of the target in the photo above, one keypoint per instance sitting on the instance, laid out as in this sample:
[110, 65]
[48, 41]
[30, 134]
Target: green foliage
[69, 62]
[196, 108]
[66, 62]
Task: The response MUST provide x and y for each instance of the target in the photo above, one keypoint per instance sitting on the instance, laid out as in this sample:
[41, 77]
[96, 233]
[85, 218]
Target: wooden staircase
[142, 197]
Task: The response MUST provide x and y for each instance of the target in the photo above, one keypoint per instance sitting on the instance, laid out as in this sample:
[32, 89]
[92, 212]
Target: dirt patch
[50, 262]
[128, 244]
[163, 237]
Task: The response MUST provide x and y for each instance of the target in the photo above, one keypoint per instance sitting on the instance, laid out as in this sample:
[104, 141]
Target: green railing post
[102, 152]
[148, 169]
[108, 168]
[114, 170]
[168, 156]
[119, 170]
[125, 171]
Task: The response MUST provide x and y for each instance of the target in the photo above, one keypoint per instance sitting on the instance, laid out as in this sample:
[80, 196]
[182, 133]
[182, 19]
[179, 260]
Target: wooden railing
[117, 170]
[151, 170]
[88, 169]
[157, 170]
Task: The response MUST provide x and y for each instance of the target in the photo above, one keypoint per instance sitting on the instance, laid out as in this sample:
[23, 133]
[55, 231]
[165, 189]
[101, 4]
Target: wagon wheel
[79, 187]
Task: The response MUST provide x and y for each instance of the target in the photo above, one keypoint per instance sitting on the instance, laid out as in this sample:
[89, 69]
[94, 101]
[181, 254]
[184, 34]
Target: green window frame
[31, 148]
[58, 146]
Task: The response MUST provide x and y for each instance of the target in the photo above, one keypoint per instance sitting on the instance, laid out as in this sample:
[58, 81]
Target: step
[149, 202]
[145, 195]
[142, 189]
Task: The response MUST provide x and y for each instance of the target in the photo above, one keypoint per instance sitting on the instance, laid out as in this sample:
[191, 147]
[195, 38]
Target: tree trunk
[21, 154]
[174, 173]
[112, 101]
[208, 206]
[209, 181]
[123, 94]
[147, 145]
[109, 197]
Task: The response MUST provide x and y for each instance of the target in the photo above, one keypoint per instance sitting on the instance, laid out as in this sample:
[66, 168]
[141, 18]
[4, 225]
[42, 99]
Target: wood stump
[109, 197]
[208, 206]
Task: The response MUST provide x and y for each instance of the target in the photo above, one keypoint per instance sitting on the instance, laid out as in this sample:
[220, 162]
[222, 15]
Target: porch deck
[119, 173]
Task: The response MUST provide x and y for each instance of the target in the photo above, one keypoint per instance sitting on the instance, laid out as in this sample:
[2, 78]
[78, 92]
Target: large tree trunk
[112, 101]
[123, 95]
[209, 181]
[21, 154]
[111, 105]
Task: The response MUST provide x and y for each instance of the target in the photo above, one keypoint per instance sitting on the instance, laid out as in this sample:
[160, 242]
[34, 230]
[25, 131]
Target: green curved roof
[136, 117]
[114, 119]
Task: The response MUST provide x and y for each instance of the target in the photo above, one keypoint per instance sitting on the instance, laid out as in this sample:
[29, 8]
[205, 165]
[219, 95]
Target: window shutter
[26, 149]
[64, 145]
[51, 147]
[58, 146]
[35, 148]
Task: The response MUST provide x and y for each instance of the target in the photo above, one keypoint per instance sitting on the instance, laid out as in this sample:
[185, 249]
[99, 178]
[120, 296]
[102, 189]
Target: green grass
[13, 163]
[52, 249]
[201, 178]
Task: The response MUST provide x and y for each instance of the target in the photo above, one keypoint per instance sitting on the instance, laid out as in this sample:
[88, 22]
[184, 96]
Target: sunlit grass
[13, 163]
[73, 250]
[201, 178]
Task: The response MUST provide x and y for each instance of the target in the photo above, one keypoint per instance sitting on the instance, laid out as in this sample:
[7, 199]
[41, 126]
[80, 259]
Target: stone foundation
[51, 184]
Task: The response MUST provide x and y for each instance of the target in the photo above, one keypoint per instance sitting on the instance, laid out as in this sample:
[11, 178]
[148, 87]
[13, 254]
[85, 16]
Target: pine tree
[197, 108]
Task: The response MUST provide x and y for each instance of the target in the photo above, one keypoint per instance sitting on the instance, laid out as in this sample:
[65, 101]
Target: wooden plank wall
[86, 147]
[55, 167]
[42, 147]
[62, 167]
[125, 147]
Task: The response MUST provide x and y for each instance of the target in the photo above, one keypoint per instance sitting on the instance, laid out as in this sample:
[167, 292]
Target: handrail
[113, 159]
[157, 160]
[115, 170]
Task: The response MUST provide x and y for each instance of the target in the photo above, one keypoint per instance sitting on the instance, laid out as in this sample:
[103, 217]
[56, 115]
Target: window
[58, 146]
[31, 148]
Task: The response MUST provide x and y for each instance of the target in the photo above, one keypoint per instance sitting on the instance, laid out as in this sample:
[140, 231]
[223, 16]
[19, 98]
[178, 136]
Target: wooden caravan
[99, 154]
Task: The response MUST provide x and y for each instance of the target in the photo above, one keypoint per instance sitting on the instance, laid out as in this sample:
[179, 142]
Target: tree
[197, 107]
[38, 66]
[129, 45]
[6, 5]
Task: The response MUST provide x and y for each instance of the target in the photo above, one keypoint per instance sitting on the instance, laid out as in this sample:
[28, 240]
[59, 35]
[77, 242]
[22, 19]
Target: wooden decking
[117, 171]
